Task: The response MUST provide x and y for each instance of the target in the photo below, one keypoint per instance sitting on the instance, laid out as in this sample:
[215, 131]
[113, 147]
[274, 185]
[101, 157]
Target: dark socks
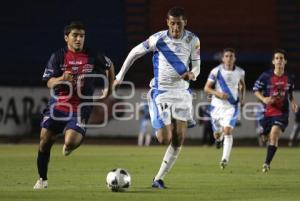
[42, 164]
[271, 150]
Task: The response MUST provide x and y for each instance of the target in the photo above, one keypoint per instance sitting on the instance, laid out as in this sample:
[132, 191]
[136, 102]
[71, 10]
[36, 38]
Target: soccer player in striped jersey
[170, 100]
[69, 74]
[227, 86]
[274, 88]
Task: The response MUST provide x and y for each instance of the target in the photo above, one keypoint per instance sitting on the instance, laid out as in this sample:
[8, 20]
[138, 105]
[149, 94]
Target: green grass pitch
[195, 176]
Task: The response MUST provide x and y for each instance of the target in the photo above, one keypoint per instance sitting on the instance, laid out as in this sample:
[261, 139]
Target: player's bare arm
[294, 105]
[242, 89]
[265, 100]
[66, 76]
[110, 75]
[210, 90]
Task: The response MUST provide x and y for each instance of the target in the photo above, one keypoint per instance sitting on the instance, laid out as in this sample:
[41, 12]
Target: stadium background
[31, 30]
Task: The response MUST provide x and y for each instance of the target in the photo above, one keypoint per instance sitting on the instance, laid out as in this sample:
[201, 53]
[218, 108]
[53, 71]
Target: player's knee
[45, 145]
[177, 142]
[164, 140]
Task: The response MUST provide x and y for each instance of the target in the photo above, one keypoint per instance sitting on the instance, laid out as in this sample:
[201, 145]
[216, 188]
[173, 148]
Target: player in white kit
[176, 61]
[227, 86]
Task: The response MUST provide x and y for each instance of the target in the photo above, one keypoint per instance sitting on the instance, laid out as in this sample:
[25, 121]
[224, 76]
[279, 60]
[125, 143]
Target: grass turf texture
[195, 176]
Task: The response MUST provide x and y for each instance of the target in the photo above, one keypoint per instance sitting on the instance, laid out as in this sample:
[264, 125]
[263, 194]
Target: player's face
[228, 59]
[75, 40]
[279, 61]
[176, 26]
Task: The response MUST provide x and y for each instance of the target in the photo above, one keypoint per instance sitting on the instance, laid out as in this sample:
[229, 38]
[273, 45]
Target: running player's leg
[74, 134]
[73, 139]
[227, 145]
[177, 138]
[272, 147]
[47, 139]
[163, 136]
[228, 122]
[278, 125]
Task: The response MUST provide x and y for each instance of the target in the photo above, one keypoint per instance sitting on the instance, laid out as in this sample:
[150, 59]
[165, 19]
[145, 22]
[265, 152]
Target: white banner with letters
[113, 118]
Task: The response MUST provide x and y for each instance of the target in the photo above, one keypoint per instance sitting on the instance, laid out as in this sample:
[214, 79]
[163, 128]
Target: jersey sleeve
[150, 43]
[260, 84]
[195, 53]
[195, 57]
[213, 75]
[52, 68]
[242, 75]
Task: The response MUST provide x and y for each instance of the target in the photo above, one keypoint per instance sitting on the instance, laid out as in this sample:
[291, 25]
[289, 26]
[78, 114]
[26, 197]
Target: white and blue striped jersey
[171, 59]
[226, 81]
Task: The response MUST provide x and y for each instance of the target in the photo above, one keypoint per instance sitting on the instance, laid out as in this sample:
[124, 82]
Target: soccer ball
[118, 180]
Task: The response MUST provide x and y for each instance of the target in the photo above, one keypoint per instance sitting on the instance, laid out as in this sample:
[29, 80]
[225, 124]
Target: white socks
[168, 161]
[140, 139]
[227, 145]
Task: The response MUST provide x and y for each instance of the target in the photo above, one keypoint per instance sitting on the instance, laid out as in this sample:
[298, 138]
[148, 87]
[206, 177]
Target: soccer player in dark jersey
[70, 75]
[274, 88]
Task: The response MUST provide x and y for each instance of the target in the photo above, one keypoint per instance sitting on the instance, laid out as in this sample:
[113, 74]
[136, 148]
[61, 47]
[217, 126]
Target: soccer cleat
[223, 164]
[158, 184]
[41, 184]
[266, 168]
[66, 151]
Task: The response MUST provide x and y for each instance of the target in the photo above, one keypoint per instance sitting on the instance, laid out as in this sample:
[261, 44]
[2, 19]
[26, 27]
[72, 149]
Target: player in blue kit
[69, 74]
[274, 88]
[170, 100]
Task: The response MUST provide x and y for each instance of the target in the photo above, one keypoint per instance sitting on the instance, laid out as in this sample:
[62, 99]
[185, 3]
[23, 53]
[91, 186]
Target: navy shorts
[268, 122]
[60, 121]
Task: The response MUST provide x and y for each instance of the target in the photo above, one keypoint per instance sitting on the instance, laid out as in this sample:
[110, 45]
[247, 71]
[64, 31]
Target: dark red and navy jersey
[278, 87]
[79, 65]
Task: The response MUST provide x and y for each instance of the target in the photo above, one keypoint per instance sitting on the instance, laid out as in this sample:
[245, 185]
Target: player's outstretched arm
[137, 52]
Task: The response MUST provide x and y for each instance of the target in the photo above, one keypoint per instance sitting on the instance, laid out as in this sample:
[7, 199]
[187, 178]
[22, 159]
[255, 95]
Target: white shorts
[223, 117]
[167, 105]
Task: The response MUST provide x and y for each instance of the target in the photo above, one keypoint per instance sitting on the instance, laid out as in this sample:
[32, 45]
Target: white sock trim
[227, 145]
[169, 160]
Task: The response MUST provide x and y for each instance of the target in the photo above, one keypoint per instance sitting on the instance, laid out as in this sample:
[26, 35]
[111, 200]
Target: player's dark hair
[228, 49]
[281, 51]
[73, 25]
[176, 12]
